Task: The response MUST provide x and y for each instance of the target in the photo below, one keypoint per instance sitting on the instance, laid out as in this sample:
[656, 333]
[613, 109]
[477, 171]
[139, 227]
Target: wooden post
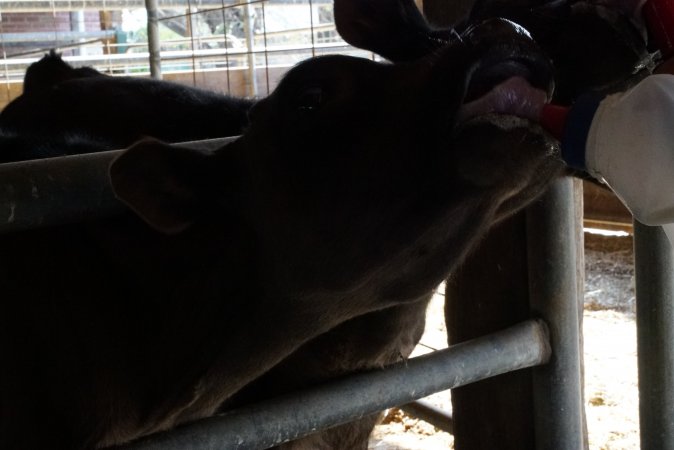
[488, 293]
[492, 291]
[105, 19]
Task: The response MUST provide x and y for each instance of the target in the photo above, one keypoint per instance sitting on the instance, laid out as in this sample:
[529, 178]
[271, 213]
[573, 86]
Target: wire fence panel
[237, 47]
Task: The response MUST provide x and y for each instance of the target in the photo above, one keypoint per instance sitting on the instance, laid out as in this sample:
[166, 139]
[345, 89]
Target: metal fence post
[153, 38]
[654, 266]
[249, 31]
[552, 230]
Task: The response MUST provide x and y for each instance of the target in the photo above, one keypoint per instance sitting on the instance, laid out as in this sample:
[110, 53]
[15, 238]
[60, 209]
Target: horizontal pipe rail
[62, 190]
[437, 417]
[55, 35]
[51, 6]
[280, 420]
[15, 65]
[175, 55]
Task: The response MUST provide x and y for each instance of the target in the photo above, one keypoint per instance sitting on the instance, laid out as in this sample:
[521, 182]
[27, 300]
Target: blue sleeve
[577, 128]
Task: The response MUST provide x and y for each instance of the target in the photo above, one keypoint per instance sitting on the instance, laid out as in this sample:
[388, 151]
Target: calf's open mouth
[507, 89]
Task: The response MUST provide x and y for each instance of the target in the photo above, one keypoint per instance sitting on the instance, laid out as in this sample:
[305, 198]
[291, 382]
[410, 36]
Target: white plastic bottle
[626, 140]
[630, 146]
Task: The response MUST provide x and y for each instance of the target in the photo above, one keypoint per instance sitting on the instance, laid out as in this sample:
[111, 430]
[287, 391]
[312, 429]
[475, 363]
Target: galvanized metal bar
[77, 25]
[63, 190]
[249, 33]
[427, 412]
[271, 423]
[153, 40]
[654, 267]
[551, 235]
[55, 191]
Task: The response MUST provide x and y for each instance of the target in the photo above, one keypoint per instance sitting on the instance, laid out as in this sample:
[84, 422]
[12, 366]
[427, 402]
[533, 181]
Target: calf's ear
[162, 184]
[394, 29]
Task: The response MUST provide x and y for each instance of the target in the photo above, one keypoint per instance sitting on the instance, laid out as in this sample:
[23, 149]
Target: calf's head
[356, 173]
[591, 45]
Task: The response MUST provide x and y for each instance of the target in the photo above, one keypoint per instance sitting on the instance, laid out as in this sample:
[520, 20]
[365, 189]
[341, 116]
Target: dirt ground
[611, 392]
[611, 401]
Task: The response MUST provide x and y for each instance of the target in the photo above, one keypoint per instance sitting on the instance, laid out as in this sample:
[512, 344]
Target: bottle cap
[571, 126]
[553, 119]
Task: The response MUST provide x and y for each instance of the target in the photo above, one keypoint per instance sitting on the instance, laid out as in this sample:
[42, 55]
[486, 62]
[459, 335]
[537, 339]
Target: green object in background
[122, 37]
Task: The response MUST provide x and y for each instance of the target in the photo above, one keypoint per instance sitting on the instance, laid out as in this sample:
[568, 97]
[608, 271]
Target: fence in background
[237, 47]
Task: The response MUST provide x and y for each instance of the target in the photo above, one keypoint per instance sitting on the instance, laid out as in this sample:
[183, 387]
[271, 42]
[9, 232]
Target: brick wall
[41, 23]
[60, 21]
[25, 22]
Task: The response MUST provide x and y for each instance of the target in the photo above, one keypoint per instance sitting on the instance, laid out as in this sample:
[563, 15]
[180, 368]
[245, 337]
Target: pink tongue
[515, 96]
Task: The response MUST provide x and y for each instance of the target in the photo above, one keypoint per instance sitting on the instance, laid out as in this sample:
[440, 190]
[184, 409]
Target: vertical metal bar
[654, 261]
[4, 56]
[153, 38]
[551, 231]
[55, 24]
[311, 22]
[191, 25]
[224, 32]
[77, 24]
[266, 51]
[248, 27]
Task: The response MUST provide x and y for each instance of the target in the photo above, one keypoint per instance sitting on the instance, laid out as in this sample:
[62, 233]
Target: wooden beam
[603, 209]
